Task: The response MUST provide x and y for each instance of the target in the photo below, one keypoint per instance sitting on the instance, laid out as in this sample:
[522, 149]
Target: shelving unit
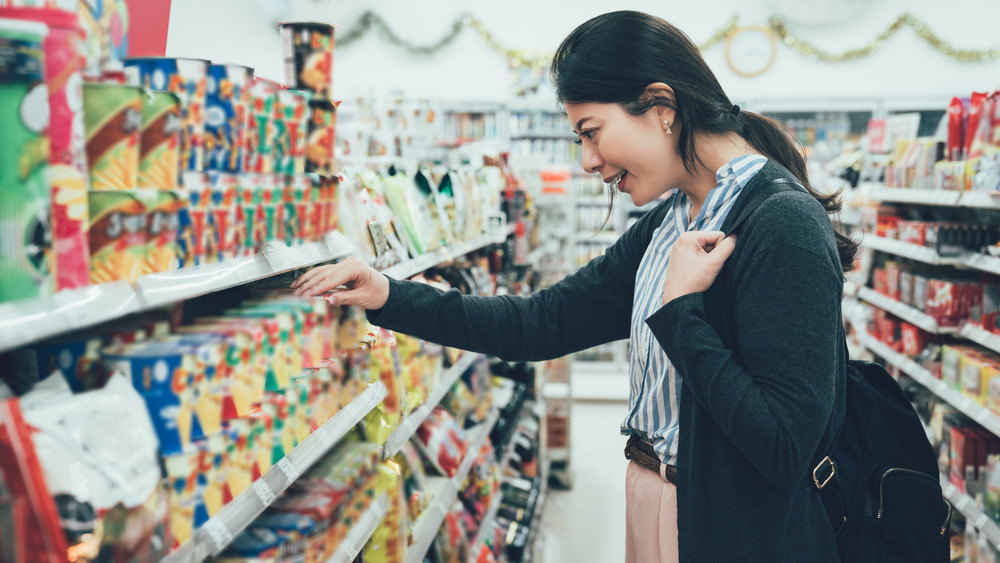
[27, 321]
[907, 250]
[903, 311]
[358, 536]
[973, 515]
[981, 336]
[411, 423]
[221, 529]
[486, 525]
[954, 397]
[445, 491]
[942, 198]
[413, 267]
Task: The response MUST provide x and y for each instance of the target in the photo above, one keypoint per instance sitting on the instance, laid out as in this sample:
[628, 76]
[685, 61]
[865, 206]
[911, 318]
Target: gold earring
[667, 123]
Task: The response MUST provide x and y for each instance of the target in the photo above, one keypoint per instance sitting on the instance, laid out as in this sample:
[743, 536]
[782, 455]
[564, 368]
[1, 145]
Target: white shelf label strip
[264, 493]
[359, 534]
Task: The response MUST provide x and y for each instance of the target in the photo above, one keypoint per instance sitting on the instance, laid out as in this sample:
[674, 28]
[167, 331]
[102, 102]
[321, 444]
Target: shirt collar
[729, 181]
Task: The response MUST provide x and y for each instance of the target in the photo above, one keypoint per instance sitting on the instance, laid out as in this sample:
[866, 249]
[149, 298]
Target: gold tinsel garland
[517, 58]
[921, 29]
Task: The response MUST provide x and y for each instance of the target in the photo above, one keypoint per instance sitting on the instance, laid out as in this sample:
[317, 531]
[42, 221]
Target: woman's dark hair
[614, 57]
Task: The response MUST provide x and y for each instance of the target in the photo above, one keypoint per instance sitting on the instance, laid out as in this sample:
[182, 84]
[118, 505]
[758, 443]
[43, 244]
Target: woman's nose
[591, 159]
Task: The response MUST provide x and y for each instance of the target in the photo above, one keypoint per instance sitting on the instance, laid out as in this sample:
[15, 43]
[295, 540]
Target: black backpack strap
[823, 469]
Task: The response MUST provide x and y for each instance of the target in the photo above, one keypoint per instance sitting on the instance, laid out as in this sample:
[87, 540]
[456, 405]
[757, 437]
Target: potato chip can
[162, 207]
[308, 48]
[25, 234]
[192, 219]
[187, 79]
[117, 236]
[259, 156]
[160, 141]
[322, 136]
[227, 104]
[112, 119]
[291, 124]
[221, 231]
[63, 49]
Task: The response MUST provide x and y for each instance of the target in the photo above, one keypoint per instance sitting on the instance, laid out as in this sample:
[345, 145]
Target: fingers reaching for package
[350, 282]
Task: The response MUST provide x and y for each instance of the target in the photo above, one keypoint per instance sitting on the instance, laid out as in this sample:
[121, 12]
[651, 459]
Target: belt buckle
[833, 471]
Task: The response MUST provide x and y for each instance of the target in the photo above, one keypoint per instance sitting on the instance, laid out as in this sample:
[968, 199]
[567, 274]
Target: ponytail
[770, 138]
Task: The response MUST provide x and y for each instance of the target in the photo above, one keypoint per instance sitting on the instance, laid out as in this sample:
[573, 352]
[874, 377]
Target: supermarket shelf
[27, 321]
[357, 537]
[413, 267]
[973, 515]
[907, 250]
[536, 521]
[981, 336]
[955, 398]
[558, 454]
[486, 524]
[982, 262]
[221, 529]
[410, 424]
[556, 390]
[949, 198]
[430, 520]
[903, 311]
[543, 135]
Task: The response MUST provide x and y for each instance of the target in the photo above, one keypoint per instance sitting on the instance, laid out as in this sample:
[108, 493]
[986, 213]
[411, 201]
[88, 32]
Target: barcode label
[264, 492]
[288, 469]
[218, 533]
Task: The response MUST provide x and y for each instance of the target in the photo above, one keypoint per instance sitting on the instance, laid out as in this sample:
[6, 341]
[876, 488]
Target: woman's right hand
[350, 282]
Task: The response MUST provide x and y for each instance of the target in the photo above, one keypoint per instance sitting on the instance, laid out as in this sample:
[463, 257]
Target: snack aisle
[152, 315]
[925, 299]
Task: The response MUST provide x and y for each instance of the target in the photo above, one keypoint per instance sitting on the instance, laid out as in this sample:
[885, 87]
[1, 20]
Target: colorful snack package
[221, 231]
[160, 141]
[204, 357]
[388, 543]
[160, 374]
[40, 537]
[415, 487]
[309, 50]
[112, 120]
[117, 236]
[292, 120]
[187, 79]
[98, 451]
[77, 358]
[442, 441]
[227, 105]
[240, 464]
[162, 224]
[214, 467]
[25, 194]
[322, 136]
[259, 151]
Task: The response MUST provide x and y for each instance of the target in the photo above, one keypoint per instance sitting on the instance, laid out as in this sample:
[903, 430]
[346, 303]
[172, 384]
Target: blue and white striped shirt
[655, 385]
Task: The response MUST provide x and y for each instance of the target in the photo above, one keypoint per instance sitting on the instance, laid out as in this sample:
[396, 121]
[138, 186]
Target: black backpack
[880, 482]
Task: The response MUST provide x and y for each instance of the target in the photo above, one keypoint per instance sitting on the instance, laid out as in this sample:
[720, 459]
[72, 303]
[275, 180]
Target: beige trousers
[650, 516]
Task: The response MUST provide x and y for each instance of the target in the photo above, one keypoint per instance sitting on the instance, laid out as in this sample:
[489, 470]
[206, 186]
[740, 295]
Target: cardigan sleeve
[773, 405]
[587, 308]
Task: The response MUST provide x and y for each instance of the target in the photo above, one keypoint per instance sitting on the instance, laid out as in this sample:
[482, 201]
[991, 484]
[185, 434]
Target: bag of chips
[442, 441]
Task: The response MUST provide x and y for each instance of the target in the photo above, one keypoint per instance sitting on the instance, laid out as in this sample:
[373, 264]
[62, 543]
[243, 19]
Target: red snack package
[43, 538]
[972, 123]
[956, 129]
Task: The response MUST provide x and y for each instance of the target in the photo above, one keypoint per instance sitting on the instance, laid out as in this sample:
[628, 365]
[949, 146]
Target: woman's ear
[666, 103]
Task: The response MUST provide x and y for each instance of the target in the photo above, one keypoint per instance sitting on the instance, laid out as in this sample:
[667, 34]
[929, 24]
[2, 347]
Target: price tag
[324, 436]
[288, 469]
[218, 533]
[264, 492]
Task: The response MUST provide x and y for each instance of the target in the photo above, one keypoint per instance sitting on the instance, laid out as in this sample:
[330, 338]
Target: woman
[723, 421]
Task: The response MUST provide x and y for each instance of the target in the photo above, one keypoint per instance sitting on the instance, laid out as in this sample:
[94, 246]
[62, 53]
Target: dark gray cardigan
[750, 420]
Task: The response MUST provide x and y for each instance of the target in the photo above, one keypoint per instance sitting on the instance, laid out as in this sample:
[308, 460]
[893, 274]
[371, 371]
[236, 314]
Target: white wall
[906, 69]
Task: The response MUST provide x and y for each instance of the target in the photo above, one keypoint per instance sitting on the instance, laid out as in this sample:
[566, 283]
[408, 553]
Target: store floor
[587, 522]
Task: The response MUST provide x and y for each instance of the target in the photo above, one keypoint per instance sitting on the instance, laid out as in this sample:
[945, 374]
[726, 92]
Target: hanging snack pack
[428, 190]
[227, 105]
[186, 78]
[160, 141]
[308, 50]
[98, 452]
[24, 161]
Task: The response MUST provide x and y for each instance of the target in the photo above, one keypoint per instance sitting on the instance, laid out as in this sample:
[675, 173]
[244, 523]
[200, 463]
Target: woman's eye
[584, 134]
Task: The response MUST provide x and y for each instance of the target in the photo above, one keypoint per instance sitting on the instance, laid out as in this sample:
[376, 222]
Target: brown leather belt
[643, 455]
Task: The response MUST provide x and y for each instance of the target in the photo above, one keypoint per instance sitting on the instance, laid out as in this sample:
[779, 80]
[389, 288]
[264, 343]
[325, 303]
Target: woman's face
[635, 150]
